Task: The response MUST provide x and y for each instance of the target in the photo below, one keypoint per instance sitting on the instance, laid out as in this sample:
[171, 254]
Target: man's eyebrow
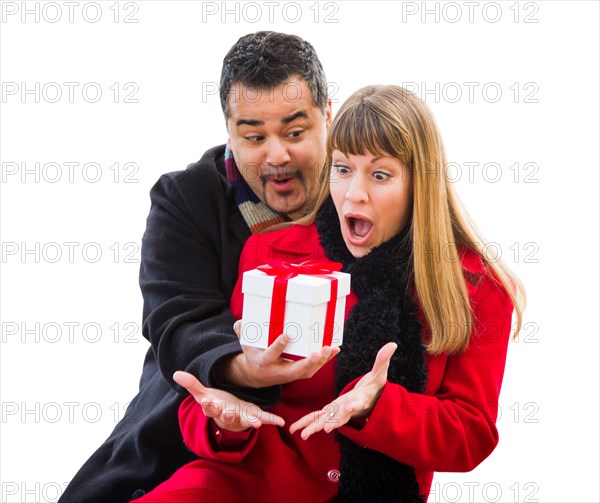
[284, 120]
[249, 122]
[293, 117]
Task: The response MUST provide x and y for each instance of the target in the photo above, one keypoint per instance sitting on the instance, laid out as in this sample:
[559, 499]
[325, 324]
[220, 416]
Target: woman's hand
[227, 410]
[356, 403]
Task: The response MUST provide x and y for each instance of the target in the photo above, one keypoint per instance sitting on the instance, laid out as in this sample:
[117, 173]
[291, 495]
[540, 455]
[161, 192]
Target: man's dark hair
[265, 59]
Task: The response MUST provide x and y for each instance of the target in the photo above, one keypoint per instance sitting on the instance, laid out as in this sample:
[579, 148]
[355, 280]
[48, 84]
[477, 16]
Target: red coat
[451, 427]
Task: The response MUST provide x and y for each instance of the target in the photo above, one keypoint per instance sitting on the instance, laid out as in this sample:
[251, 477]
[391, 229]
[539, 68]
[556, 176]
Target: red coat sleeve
[200, 433]
[202, 436]
[453, 430]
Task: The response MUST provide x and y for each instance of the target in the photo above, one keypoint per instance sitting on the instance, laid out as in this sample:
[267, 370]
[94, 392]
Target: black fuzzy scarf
[385, 313]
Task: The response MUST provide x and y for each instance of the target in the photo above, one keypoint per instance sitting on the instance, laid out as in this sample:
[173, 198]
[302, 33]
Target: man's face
[277, 137]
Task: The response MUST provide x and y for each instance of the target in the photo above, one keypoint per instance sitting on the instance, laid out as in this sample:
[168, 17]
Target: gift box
[306, 301]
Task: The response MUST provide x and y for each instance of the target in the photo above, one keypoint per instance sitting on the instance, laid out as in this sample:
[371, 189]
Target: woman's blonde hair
[390, 120]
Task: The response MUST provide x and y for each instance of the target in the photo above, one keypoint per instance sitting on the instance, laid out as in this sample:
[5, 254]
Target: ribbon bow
[309, 267]
[283, 272]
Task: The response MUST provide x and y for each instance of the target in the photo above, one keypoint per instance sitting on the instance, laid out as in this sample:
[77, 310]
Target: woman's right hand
[228, 411]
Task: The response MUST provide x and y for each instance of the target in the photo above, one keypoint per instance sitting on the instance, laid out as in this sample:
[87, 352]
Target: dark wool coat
[450, 426]
[189, 262]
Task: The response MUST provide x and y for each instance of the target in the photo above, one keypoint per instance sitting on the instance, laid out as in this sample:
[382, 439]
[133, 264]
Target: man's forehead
[292, 95]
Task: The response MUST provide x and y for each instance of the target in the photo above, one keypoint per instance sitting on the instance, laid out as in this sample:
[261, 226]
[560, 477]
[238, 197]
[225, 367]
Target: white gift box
[306, 301]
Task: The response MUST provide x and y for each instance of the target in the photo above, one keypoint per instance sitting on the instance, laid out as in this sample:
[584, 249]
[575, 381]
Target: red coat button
[333, 475]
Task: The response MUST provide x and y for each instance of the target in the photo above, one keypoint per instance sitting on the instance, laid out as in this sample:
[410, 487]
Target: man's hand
[356, 403]
[227, 410]
[259, 368]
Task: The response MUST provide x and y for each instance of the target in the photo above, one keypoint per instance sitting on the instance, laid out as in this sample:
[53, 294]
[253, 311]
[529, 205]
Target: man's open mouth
[281, 181]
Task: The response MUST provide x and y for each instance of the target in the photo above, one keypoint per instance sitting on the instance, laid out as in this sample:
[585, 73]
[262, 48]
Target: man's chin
[286, 205]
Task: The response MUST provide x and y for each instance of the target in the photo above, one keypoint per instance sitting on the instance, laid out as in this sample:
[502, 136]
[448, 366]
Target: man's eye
[254, 138]
[295, 134]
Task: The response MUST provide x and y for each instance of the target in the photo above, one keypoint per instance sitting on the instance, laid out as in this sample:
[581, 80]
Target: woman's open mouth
[358, 229]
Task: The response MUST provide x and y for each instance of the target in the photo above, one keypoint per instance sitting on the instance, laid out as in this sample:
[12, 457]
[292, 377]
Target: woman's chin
[356, 250]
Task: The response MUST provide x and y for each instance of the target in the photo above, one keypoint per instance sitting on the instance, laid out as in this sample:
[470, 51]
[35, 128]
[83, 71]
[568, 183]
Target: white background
[61, 397]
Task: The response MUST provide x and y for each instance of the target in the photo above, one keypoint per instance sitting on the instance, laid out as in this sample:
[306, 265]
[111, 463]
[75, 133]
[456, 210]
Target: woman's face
[372, 195]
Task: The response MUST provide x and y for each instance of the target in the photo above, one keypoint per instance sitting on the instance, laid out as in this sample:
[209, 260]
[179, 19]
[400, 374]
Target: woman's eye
[381, 176]
[341, 169]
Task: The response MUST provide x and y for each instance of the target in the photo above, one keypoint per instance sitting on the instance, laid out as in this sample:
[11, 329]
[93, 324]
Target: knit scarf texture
[384, 313]
[257, 215]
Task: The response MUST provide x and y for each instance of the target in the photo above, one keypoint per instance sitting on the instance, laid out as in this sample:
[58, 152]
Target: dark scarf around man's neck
[384, 313]
[257, 215]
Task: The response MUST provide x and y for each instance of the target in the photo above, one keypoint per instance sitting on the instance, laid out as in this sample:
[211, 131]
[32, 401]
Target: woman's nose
[357, 191]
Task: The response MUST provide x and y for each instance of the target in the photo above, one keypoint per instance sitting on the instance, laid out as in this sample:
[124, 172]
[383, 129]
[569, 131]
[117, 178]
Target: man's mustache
[290, 172]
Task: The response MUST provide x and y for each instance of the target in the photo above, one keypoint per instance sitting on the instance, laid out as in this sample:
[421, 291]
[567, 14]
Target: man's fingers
[268, 367]
[333, 352]
[320, 357]
[237, 327]
[275, 350]
[308, 366]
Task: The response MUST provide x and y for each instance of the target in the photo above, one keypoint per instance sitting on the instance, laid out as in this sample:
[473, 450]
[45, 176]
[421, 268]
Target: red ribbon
[283, 272]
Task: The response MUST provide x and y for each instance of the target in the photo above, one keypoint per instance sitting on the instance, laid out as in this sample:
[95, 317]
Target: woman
[415, 386]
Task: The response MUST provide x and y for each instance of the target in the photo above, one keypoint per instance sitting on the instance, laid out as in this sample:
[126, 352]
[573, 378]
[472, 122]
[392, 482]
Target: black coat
[190, 254]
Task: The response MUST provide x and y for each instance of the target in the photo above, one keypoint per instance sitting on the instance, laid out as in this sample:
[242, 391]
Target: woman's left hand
[356, 403]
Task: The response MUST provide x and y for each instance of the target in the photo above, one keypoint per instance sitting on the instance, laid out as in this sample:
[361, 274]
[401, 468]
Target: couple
[412, 390]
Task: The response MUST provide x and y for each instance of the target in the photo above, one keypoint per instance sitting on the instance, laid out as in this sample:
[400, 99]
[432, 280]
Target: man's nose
[277, 152]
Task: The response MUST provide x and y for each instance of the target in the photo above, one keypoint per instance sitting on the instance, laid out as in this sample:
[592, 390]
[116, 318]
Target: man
[273, 95]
